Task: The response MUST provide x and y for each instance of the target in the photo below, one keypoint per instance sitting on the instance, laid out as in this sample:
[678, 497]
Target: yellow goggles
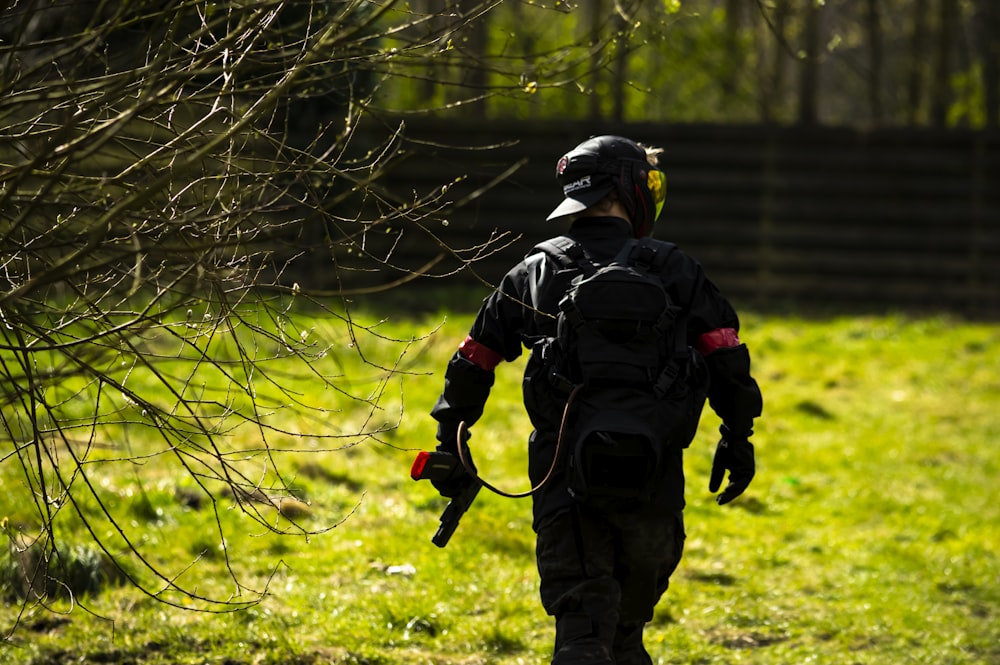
[656, 181]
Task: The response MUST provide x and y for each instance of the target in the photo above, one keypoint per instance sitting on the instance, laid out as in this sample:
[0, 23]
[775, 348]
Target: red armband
[481, 356]
[721, 338]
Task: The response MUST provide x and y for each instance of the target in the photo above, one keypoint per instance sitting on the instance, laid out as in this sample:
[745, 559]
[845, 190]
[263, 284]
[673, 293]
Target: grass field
[871, 534]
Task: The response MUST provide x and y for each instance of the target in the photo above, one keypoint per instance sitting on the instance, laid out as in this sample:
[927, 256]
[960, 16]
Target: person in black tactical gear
[610, 494]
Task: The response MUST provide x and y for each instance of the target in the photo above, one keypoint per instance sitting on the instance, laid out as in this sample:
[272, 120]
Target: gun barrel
[444, 533]
[453, 514]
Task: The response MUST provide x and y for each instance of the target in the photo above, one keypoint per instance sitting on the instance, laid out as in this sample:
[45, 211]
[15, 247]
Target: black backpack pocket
[615, 449]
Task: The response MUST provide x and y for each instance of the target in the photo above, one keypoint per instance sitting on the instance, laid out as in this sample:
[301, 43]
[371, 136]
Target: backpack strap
[648, 254]
[568, 253]
[651, 255]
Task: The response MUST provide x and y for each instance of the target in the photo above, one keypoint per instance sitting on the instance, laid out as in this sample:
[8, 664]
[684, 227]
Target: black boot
[578, 642]
[628, 647]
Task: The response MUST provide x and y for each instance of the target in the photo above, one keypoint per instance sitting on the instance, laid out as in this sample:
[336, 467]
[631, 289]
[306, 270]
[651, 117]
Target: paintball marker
[438, 465]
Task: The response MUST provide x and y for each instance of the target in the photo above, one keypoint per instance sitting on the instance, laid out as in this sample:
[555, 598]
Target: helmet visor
[656, 181]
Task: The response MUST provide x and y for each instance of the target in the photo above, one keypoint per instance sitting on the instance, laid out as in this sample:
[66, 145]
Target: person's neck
[607, 209]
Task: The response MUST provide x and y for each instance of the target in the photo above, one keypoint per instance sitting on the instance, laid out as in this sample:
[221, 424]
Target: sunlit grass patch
[870, 534]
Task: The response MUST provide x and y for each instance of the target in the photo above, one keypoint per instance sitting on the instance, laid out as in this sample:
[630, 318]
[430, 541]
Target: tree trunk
[594, 30]
[731, 45]
[918, 44]
[809, 68]
[474, 77]
[988, 20]
[873, 22]
[620, 81]
[427, 86]
[774, 92]
[941, 85]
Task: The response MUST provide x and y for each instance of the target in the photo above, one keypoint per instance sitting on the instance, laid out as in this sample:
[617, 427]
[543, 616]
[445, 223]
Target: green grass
[870, 536]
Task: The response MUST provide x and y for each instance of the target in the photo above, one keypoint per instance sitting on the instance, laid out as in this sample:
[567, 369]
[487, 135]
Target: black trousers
[602, 573]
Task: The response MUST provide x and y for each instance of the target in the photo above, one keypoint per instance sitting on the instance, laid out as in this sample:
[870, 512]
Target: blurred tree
[808, 113]
[595, 23]
[620, 79]
[941, 90]
[774, 75]
[873, 29]
[474, 48]
[732, 49]
[714, 61]
[987, 19]
[918, 48]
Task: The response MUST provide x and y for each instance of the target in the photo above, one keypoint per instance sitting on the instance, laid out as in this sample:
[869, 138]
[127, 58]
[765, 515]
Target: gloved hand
[459, 479]
[733, 454]
[454, 484]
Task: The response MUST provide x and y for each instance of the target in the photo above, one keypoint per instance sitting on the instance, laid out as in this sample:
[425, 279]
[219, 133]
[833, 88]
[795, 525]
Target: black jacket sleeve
[733, 393]
[466, 389]
[467, 385]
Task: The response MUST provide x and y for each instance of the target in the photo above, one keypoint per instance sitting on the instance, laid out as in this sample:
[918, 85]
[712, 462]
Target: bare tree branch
[167, 168]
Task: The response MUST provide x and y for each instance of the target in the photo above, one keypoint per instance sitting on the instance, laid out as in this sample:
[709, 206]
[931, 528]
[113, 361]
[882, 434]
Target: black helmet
[602, 164]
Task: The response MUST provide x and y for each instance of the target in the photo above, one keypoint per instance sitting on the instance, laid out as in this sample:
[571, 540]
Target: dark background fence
[895, 219]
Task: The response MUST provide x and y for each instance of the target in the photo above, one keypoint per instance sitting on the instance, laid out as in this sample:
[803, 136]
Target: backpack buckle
[666, 379]
[645, 256]
[560, 382]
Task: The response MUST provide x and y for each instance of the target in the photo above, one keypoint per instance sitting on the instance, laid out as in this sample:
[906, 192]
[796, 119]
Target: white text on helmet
[582, 183]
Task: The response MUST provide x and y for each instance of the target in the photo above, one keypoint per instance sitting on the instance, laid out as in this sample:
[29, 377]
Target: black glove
[459, 479]
[455, 484]
[734, 454]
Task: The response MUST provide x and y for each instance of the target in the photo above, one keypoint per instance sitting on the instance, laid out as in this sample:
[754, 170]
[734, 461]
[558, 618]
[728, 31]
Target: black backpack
[620, 355]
